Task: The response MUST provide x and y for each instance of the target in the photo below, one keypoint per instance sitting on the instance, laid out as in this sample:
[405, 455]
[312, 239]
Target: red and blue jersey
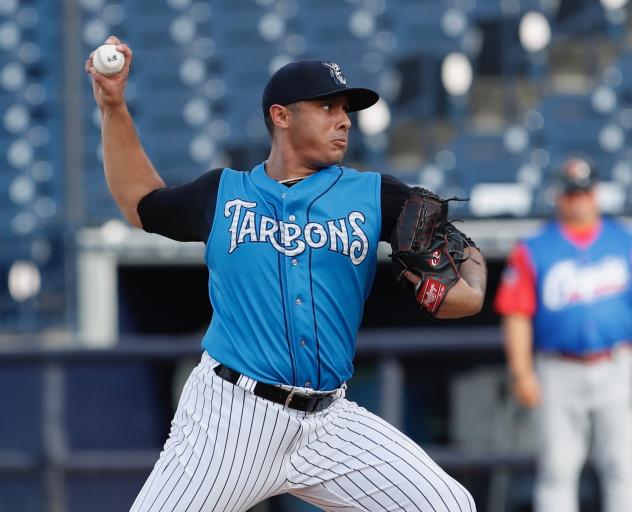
[575, 286]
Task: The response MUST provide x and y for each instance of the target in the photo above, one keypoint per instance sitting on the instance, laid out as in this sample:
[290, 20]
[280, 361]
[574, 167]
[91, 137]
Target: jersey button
[298, 301]
[303, 343]
[284, 195]
[308, 383]
[292, 218]
[294, 261]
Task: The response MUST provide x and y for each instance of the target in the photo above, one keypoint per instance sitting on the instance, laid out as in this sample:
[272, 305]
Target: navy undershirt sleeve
[394, 193]
[184, 213]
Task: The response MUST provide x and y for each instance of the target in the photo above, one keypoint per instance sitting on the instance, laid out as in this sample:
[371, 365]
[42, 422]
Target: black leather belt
[291, 399]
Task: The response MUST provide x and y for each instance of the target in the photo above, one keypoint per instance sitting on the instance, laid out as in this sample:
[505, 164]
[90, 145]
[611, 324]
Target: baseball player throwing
[291, 251]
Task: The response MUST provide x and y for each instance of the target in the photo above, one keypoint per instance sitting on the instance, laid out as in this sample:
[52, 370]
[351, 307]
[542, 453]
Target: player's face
[319, 131]
[579, 207]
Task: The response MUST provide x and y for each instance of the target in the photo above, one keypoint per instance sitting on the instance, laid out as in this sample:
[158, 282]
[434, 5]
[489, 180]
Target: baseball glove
[420, 245]
[457, 243]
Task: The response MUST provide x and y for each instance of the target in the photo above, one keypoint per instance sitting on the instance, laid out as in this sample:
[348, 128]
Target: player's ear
[279, 116]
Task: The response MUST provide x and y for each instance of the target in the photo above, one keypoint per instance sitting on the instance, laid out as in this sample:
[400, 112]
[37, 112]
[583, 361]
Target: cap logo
[336, 73]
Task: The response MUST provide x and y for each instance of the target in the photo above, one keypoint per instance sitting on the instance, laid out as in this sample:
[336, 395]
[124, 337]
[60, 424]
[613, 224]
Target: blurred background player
[565, 295]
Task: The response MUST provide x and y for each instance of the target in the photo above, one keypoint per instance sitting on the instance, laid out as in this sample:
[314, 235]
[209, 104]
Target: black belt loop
[291, 399]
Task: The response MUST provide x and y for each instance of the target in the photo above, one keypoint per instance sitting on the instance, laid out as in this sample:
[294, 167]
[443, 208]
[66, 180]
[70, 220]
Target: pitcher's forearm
[467, 296]
[129, 173]
[462, 300]
[474, 271]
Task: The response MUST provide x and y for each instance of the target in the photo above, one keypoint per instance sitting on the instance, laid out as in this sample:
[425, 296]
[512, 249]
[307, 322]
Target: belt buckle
[289, 398]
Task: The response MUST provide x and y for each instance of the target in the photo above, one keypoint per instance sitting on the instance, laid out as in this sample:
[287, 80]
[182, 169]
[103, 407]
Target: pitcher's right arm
[129, 173]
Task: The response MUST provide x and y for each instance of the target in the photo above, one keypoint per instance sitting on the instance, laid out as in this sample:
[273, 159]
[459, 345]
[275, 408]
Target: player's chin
[337, 154]
[328, 156]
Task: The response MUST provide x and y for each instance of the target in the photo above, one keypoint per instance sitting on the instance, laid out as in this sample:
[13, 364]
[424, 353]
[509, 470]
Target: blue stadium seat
[580, 18]
[161, 109]
[47, 308]
[420, 94]
[170, 146]
[482, 164]
[543, 203]
[23, 493]
[484, 158]
[230, 62]
[417, 26]
[571, 124]
[23, 432]
[486, 10]
[114, 406]
[103, 493]
[624, 90]
[102, 207]
[566, 108]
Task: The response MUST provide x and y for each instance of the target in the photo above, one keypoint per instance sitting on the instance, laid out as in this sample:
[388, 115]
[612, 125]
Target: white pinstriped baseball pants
[229, 449]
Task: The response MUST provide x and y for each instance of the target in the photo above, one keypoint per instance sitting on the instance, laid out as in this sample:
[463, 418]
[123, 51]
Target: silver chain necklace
[291, 180]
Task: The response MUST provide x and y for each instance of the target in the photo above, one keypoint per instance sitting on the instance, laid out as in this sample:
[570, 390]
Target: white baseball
[108, 60]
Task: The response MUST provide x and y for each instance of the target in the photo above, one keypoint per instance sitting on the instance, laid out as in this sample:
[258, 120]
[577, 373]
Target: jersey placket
[300, 301]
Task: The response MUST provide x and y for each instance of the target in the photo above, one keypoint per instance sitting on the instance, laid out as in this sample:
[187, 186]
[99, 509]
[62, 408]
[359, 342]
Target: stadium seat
[114, 406]
[624, 89]
[101, 493]
[23, 493]
[23, 433]
[418, 27]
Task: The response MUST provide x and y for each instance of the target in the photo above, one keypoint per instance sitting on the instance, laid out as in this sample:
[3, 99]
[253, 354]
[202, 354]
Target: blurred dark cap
[577, 175]
[312, 79]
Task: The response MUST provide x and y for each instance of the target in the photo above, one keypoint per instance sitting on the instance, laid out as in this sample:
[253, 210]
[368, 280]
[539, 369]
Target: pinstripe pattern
[229, 450]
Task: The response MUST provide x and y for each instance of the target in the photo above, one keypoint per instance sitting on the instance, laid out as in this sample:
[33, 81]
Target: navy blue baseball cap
[578, 175]
[312, 79]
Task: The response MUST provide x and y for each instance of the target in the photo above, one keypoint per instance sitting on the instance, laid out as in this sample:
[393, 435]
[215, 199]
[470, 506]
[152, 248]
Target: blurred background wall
[99, 323]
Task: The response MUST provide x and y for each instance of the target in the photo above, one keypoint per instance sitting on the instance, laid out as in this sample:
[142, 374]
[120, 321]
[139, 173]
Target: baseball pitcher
[291, 252]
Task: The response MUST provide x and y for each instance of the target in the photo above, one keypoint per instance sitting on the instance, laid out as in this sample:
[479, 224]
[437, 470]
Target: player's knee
[458, 498]
[555, 470]
[467, 503]
[614, 467]
[449, 494]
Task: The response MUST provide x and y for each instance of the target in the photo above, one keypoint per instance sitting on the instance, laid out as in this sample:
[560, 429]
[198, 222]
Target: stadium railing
[53, 460]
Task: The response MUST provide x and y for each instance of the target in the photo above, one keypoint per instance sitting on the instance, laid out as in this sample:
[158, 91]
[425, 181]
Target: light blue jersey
[290, 269]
